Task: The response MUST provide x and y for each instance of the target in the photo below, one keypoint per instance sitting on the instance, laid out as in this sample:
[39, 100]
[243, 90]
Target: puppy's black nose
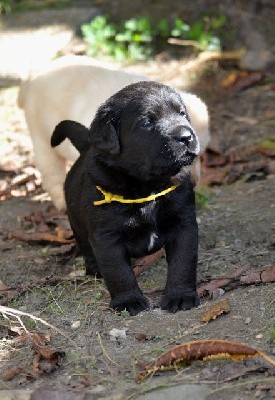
[184, 135]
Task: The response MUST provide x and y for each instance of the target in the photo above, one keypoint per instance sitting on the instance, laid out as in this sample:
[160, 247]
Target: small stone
[248, 320]
[75, 325]
[77, 273]
[259, 336]
[118, 334]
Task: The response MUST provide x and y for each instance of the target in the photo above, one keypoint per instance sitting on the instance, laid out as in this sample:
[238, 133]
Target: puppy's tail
[77, 133]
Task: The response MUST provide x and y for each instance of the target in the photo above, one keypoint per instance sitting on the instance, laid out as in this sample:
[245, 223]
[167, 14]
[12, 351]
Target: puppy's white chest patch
[153, 238]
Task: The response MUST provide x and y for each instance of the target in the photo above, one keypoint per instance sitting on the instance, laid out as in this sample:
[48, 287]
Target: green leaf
[163, 28]
[196, 31]
[123, 37]
[219, 22]
[131, 24]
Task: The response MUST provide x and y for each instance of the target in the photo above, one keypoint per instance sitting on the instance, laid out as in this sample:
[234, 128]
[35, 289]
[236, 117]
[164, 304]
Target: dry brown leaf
[11, 373]
[244, 80]
[202, 350]
[4, 287]
[207, 288]
[38, 237]
[240, 276]
[222, 307]
[142, 264]
[47, 358]
[266, 275]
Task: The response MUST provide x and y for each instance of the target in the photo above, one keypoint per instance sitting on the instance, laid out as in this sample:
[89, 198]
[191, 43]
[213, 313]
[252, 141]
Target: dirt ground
[237, 229]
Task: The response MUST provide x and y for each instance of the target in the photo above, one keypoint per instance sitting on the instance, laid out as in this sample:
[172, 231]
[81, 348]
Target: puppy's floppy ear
[77, 133]
[104, 132]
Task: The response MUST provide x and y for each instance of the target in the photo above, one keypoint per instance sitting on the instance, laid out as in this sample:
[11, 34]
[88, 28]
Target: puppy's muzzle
[185, 136]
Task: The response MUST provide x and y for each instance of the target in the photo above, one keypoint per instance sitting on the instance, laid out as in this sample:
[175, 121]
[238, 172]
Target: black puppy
[120, 199]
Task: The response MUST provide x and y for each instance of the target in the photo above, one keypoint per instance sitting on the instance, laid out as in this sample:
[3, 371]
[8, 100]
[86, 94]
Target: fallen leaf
[142, 337]
[247, 81]
[223, 307]
[207, 288]
[47, 358]
[142, 264]
[4, 287]
[213, 158]
[202, 350]
[11, 373]
[266, 275]
[214, 176]
[240, 276]
[233, 77]
[38, 237]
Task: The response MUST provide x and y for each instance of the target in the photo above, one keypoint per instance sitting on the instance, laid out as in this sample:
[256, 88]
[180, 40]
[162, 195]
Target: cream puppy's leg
[52, 167]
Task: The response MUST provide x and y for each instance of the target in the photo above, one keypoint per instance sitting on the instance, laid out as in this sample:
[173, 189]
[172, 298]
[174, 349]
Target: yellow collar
[109, 197]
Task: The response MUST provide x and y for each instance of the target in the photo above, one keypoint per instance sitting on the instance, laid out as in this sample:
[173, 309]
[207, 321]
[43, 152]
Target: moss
[268, 144]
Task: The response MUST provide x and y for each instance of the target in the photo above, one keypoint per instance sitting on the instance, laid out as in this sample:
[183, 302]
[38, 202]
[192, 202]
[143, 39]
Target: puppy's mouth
[172, 166]
[188, 158]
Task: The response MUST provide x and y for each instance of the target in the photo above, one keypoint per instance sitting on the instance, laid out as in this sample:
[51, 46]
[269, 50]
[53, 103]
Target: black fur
[79, 138]
[140, 138]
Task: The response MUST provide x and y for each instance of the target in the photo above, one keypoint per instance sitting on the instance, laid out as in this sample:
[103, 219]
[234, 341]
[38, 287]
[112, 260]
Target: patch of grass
[32, 5]
[272, 332]
[138, 39]
[15, 303]
[30, 324]
[5, 6]
[125, 313]
[203, 195]
[201, 198]
[268, 144]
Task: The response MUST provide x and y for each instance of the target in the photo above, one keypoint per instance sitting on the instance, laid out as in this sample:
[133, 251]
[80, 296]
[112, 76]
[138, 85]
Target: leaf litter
[209, 349]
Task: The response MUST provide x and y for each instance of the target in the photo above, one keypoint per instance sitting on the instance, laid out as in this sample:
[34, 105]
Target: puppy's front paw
[174, 301]
[133, 302]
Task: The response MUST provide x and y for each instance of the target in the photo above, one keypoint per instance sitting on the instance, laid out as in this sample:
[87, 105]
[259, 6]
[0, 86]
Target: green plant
[120, 42]
[138, 38]
[272, 332]
[125, 313]
[202, 198]
[5, 6]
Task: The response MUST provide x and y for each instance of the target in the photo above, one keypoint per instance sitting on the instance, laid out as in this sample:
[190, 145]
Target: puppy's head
[145, 131]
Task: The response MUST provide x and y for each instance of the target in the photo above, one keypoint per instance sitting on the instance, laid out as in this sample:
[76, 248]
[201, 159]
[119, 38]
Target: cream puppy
[73, 87]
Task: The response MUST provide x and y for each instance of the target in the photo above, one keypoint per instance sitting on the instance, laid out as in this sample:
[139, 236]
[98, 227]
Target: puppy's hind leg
[87, 253]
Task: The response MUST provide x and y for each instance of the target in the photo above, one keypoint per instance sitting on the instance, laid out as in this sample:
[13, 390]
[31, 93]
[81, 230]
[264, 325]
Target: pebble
[75, 325]
[248, 320]
[117, 333]
[259, 336]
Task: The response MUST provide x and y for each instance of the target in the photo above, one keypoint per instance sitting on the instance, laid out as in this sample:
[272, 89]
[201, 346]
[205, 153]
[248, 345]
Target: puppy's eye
[183, 113]
[148, 123]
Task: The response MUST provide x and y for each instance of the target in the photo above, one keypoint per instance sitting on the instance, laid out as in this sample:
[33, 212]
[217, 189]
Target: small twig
[19, 181]
[16, 313]
[104, 351]
[182, 42]
[213, 56]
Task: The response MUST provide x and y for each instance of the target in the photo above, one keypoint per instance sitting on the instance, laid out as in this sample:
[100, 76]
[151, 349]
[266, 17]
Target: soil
[236, 230]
